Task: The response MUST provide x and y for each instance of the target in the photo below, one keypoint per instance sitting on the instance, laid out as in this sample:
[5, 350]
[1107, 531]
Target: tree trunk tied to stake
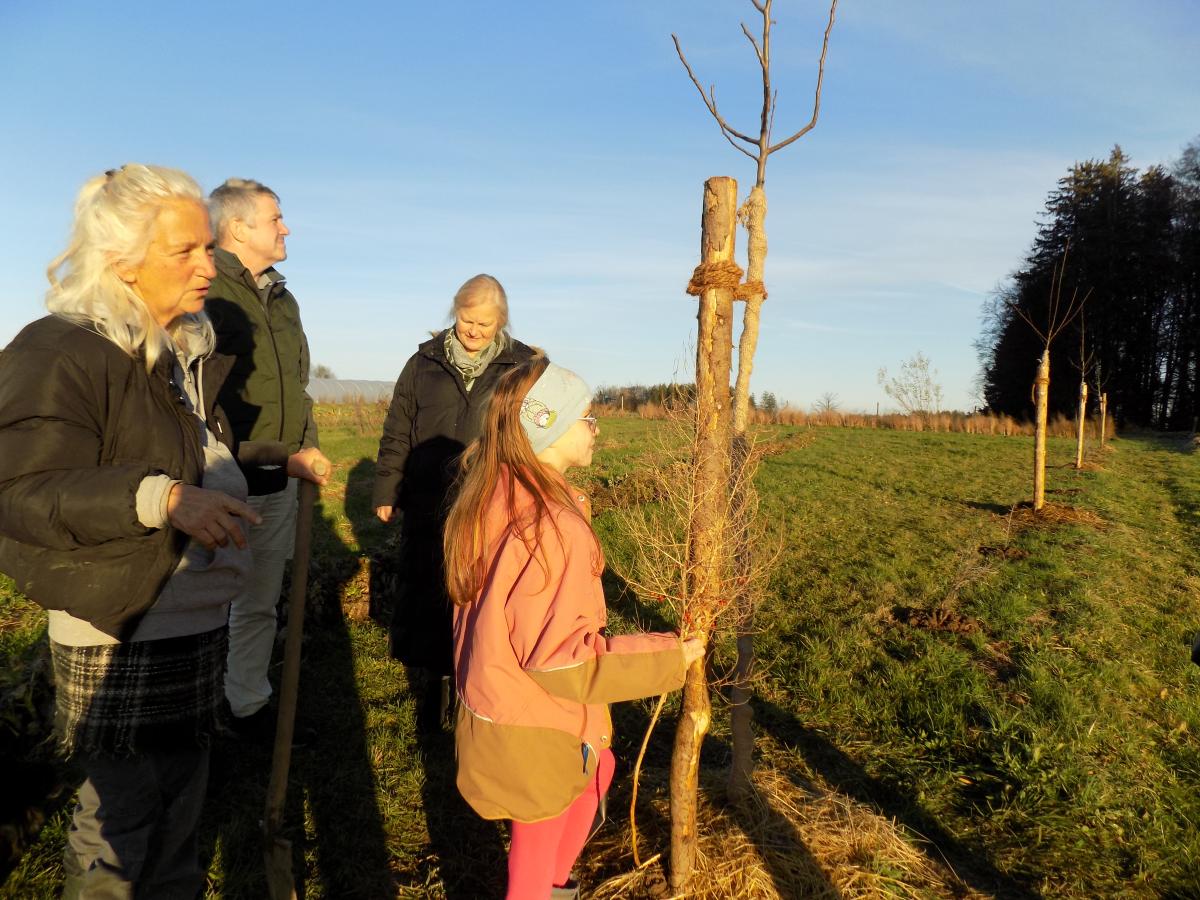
[1041, 388]
[1083, 392]
[1103, 419]
[710, 486]
[753, 217]
[1058, 317]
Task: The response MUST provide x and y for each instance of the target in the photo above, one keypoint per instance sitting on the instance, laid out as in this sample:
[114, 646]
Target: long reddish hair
[534, 494]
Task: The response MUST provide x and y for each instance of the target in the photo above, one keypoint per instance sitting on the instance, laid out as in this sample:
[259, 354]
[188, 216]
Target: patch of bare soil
[940, 618]
[797, 441]
[1054, 514]
[638, 486]
[997, 661]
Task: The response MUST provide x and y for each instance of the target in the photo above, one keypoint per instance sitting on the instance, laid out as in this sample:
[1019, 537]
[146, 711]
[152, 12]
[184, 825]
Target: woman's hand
[384, 513]
[209, 516]
[310, 464]
[693, 649]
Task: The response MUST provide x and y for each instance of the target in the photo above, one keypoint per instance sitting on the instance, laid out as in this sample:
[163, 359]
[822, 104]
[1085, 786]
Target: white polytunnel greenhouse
[344, 390]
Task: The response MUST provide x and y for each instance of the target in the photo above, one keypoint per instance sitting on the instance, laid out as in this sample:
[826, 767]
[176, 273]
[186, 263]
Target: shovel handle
[290, 681]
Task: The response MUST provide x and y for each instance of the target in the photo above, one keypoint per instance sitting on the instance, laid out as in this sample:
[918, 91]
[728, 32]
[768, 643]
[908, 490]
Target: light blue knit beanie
[553, 404]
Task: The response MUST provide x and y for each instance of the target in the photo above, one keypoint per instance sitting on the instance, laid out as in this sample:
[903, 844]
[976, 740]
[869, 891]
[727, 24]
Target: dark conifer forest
[1131, 242]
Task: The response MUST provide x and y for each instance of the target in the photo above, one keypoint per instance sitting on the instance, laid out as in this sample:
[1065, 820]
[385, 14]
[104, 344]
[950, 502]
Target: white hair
[114, 221]
[484, 290]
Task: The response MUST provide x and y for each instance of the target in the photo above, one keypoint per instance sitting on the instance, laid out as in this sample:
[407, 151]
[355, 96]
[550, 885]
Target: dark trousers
[134, 835]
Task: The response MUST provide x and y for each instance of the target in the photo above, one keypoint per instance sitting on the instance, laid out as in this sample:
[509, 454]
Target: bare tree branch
[771, 123]
[754, 44]
[820, 78]
[711, 102]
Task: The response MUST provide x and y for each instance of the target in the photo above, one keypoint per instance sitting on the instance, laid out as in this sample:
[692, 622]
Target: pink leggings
[542, 853]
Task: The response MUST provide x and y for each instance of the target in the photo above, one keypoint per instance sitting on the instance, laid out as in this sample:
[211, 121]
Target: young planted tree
[753, 216]
[1080, 423]
[1100, 381]
[1103, 419]
[1085, 364]
[1058, 317]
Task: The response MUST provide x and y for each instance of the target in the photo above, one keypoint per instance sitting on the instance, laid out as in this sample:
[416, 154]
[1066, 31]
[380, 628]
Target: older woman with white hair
[121, 512]
[437, 409]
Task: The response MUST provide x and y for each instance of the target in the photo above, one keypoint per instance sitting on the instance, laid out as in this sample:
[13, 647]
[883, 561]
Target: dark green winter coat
[81, 424]
[265, 394]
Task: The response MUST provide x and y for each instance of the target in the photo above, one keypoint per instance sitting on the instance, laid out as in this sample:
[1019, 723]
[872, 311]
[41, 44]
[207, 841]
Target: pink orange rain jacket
[536, 674]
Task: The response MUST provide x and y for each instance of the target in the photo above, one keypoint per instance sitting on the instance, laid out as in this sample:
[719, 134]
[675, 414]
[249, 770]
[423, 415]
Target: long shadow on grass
[37, 783]
[467, 853]
[998, 508]
[331, 778]
[969, 860]
[770, 832]
[335, 775]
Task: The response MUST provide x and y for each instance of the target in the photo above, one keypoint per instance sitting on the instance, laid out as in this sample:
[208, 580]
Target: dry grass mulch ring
[790, 841]
[1053, 514]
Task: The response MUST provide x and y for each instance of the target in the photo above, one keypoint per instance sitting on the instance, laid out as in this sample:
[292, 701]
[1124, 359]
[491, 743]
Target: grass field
[956, 700]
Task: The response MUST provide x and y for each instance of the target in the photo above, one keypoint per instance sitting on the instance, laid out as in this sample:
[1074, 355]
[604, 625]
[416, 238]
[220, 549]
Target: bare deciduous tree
[752, 215]
[915, 389]
[828, 402]
[1058, 317]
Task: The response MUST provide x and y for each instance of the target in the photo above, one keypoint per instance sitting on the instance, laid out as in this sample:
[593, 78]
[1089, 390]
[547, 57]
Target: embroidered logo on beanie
[537, 413]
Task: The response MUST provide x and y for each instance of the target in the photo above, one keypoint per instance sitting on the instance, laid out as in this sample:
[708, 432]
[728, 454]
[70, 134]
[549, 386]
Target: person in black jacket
[122, 512]
[437, 409]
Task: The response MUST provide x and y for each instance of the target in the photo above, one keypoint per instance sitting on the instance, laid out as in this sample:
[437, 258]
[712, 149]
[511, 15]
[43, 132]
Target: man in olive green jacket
[258, 322]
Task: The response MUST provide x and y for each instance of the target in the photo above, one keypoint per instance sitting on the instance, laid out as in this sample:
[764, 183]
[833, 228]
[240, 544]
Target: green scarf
[469, 367]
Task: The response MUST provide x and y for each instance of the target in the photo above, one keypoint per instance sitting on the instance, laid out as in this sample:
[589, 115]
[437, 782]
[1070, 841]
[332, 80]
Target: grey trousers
[252, 618]
[134, 830]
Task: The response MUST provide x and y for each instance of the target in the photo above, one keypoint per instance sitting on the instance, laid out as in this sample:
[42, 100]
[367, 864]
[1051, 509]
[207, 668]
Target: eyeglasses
[592, 423]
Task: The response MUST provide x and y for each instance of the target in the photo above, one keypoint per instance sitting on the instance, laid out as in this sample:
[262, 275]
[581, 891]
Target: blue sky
[561, 147]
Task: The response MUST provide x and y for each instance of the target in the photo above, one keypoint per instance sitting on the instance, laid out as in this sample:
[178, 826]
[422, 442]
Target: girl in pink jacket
[534, 670]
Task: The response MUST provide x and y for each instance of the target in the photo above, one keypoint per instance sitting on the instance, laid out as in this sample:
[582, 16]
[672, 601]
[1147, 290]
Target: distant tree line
[1131, 239]
[633, 397]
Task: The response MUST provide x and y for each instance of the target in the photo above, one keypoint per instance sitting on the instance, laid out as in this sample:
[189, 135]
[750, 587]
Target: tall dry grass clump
[948, 422]
[364, 417]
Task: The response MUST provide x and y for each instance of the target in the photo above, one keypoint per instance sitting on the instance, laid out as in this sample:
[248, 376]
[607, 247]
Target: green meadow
[999, 705]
